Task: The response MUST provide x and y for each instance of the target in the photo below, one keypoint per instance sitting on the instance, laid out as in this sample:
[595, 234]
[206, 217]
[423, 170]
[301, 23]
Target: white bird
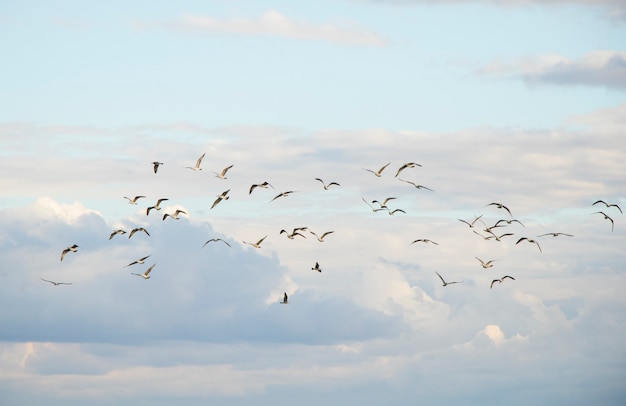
[139, 261]
[156, 206]
[500, 280]
[530, 241]
[73, 248]
[415, 184]
[406, 165]
[471, 225]
[55, 283]
[134, 230]
[256, 244]
[215, 240]
[116, 232]
[283, 194]
[293, 234]
[317, 267]
[424, 240]
[133, 200]
[155, 166]
[326, 186]
[379, 172]
[484, 264]
[222, 175]
[196, 167]
[221, 197]
[371, 207]
[285, 299]
[444, 282]
[321, 239]
[263, 185]
[392, 212]
[145, 274]
[383, 205]
[174, 215]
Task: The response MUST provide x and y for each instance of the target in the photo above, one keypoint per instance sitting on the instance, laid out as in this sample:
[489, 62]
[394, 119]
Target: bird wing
[440, 277]
[225, 170]
[382, 168]
[261, 240]
[149, 270]
[219, 199]
[199, 160]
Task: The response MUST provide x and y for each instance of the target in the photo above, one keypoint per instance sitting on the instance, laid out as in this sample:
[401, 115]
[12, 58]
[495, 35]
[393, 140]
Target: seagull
[321, 239]
[156, 165]
[156, 206]
[197, 166]
[256, 244]
[175, 215]
[391, 212]
[496, 237]
[530, 241]
[285, 301]
[415, 184]
[500, 206]
[508, 222]
[221, 197]
[317, 267]
[293, 234]
[139, 261]
[55, 283]
[487, 264]
[283, 194]
[380, 171]
[406, 165]
[371, 207]
[215, 239]
[222, 175]
[133, 200]
[326, 186]
[500, 280]
[471, 225]
[555, 234]
[383, 205]
[606, 218]
[145, 274]
[263, 185]
[424, 240]
[444, 282]
[73, 248]
[134, 230]
[608, 205]
[114, 233]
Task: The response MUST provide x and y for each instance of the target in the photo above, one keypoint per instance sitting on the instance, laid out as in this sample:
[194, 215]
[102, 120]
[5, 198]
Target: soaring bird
[116, 232]
[285, 299]
[263, 185]
[326, 186]
[508, 222]
[496, 237]
[174, 215]
[606, 218]
[155, 165]
[530, 241]
[283, 194]
[156, 206]
[406, 165]
[380, 171]
[500, 280]
[134, 230]
[145, 274]
[316, 267]
[215, 240]
[392, 212]
[444, 282]
[55, 283]
[500, 206]
[371, 207]
[256, 244]
[415, 184]
[73, 248]
[608, 205]
[424, 240]
[196, 167]
[293, 234]
[321, 239]
[223, 196]
[133, 200]
[139, 261]
[383, 205]
[471, 225]
[222, 175]
[555, 234]
[487, 264]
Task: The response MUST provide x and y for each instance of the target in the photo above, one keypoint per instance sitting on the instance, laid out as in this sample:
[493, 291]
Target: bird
[444, 282]
[380, 171]
[222, 175]
[256, 244]
[608, 205]
[471, 225]
[424, 240]
[215, 240]
[316, 267]
[496, 237]
[283, 194]
[321, 239]
[134, 230]
[508, 222]
[500, 280]
[156, 206]
[221, 197]
[196, 167]
[55, 283]
[606, 218]
[406, 165]
[133, 200]
[530, 241]
[73, 248]
[139, 261]
[174, 215]
[500, 206]
[487, 264]
[285, 299]
[146, 273]
[156, 165]
[371, 207]
[392, 212]
[383, 205]
[555, 234]
[415, 184]
[116, 232]
[326, 186]
[263, 185]
[293, 234]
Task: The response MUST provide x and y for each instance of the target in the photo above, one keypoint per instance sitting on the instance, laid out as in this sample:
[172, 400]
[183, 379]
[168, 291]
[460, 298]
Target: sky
[520, 103]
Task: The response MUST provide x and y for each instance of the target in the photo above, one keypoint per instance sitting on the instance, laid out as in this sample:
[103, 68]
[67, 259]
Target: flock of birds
[487, 232]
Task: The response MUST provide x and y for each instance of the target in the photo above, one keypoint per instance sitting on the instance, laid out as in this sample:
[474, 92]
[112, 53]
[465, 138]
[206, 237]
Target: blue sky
[517, 102]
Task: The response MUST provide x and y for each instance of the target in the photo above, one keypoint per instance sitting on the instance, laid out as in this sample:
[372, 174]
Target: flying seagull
[415, 184]
[175, 215]
[156, 165]
[530, 241]
[371, 207]
[496, 237]
[222, 175]
[283, 194]
[487, 264]
[73, 248]
[608, 205]
[500, 280]
[500, 206]
[134, 230]
[156, 206]
[326, 186]
[116, 232]
[139, 261]
[392, 212]
[263, 185]
[424, 240]
[508, 222]
[444, 282]
[145, 274]
[55, 283]
[406, 165]
[293, 234]
[383, 205]
[221, 197]
[317, 267]
[285, 299]
[133, 200]
[471, 225]
[606, 218]
[215, 240]
[380, 171]
[197, 165]
[256, 244]
[321, 239]
[555, 234]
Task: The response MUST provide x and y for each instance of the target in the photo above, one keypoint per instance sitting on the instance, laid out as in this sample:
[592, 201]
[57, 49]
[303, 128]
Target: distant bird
[371, 207]
[156, 206]
[116, 232]
[196, 167]
[530, 241]
[394, 211]
[263, 185]
[606, 218]
[145, 274]
[285, 299]
[508, 222]
[317, 267]
[444, 282]
[55, 283]
[139, 261]
[500, 280]
[406, 165]
[156, 165]
[73, 248]
[424, 240]
[484, 264]
[222, 175]
[174, 215]
[134, 230]
[215, 240]
[256, 244]
[133, 200]
[283, 194]
[485, 237]
[223, 196]
[608, 205]
[471, 225]
[383, 205]
[380, 171]
[496, 237]
[326, 186]
[293, 234]
[500, 206]
[415, 184]
[555, 234]
[321, 239]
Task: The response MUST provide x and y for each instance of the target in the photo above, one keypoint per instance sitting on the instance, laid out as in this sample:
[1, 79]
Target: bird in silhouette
[606, 218]
[555, 234]
[215, 240]
[608, 205]
[55, 283]
[285, 299]
[316, 267]
[530, 240]
[379, 172]
[73, 248]
[500, 280]
[444, 282]
[155, 166]
[500, 206]
[263, 185]
[134, 230]
[424, 240]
